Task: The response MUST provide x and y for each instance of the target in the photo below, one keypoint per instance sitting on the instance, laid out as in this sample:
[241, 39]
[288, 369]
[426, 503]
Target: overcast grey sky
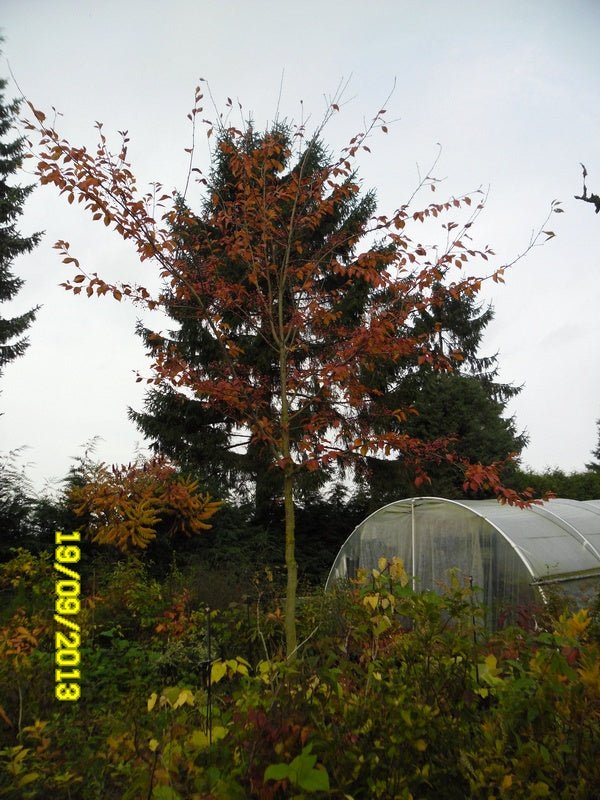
[510, 90]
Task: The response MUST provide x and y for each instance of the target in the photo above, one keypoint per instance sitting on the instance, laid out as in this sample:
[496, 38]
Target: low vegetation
[393, 693]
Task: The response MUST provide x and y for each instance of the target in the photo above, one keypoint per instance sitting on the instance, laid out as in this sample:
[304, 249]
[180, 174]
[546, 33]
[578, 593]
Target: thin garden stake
[474, 630]
[209, 686]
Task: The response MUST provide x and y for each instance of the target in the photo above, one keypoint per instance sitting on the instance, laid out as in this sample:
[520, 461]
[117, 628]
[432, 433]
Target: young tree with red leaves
[208, 439]
[253, 270]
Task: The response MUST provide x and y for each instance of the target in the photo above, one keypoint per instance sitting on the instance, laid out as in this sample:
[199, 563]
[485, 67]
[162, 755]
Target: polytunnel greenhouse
[512, 554]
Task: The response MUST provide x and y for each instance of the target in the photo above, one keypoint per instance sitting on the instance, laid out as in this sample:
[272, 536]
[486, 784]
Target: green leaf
[316, 780]
[165, 793]
[382, 625]
[301, 766]
[171, 693]
[302, 772]
[198, 739]
[276, 772]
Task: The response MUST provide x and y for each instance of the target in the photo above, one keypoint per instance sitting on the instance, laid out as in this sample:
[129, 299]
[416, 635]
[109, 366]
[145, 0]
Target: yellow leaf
[575, 625]
[590, 676]
[198, 739]
[186, 697]
[371, 600]
[218, 732]
[398, 572]
[242, 669]
[491, 663]
[29, 777]
[218, 671]
[506, 782]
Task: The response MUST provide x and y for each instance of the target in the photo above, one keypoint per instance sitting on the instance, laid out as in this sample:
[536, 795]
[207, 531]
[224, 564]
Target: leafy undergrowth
[392, 694]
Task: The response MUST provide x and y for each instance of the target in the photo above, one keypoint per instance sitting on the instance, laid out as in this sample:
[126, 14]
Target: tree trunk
[288, 499]
[291, 565]
[267, 481]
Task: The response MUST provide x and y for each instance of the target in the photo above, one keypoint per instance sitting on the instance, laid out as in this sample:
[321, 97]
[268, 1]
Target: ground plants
[394, 693]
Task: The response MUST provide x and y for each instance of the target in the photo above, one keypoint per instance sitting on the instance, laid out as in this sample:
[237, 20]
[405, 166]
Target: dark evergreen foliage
[29, 519]
[16, 506]
[595, 465]
[181, 426]
[12, 244]
[467, 402]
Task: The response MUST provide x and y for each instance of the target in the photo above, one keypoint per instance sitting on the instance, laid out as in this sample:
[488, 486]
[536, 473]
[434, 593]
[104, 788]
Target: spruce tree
[467, 401]
[182, 427]
[12, 244]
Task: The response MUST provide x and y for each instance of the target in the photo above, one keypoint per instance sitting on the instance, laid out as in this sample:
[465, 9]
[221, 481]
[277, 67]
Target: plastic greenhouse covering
[511, 554]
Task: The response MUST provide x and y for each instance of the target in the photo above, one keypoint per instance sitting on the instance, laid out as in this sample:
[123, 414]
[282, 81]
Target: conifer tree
[183, 428]
[467, 402]
[12, 244]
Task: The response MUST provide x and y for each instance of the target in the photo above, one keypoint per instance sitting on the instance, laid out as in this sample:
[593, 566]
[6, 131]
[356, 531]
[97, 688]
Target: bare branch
[592, 198]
